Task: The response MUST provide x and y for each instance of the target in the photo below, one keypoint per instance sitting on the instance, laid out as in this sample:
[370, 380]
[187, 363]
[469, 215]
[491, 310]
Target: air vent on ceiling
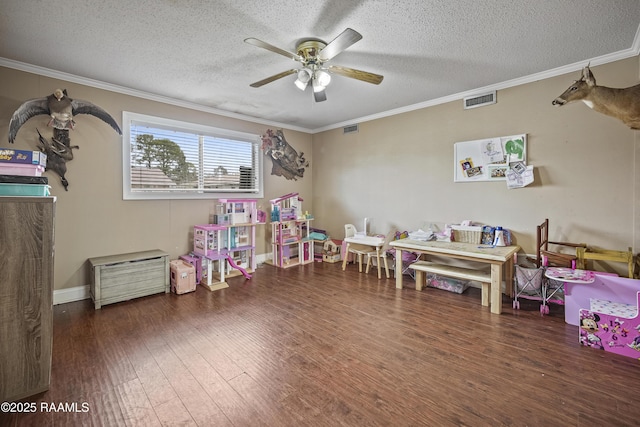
[350, 129]
[480, 100]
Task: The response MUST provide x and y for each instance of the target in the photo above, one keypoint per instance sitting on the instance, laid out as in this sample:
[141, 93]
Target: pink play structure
[607, 312]
[606, 286]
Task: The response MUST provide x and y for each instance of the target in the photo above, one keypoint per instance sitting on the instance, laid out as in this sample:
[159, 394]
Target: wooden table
[376, 243]
[500, 257]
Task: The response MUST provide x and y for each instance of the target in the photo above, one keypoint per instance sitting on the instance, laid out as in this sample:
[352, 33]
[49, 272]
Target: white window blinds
[170, 159]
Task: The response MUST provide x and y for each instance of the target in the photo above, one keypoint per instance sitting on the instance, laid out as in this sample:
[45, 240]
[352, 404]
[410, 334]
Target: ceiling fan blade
[272, 48]
[365, 76]
[340, 43]
[320, 96]
[273, 78]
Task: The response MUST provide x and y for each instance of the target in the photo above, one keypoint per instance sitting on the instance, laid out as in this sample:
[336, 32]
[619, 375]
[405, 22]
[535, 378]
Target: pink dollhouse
[290, 230]
[227, 246]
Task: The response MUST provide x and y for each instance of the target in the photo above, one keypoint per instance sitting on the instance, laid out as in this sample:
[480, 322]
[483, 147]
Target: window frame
[129, 193]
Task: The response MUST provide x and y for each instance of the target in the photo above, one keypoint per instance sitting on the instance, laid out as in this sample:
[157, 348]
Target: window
[169, 159]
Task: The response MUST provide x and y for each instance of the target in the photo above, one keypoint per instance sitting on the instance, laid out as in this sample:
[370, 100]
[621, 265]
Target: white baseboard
[261, 259]
[63, 296]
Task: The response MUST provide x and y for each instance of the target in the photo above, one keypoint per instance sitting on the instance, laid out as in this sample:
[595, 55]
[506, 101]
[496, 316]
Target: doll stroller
[529, 283]
[553, 293]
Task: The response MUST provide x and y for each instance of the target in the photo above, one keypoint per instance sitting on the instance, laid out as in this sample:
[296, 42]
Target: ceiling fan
[313, 54]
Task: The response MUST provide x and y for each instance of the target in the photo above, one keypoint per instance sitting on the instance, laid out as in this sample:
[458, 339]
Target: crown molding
[634, 50]
[60, 75]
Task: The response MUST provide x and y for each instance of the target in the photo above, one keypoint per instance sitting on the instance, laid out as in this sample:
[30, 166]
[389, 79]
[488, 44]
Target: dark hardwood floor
[316, 346]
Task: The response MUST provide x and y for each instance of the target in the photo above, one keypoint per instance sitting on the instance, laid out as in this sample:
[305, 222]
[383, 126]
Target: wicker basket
[467, 234]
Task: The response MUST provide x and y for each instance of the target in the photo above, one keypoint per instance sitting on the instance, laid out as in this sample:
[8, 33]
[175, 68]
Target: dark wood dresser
[26, 295]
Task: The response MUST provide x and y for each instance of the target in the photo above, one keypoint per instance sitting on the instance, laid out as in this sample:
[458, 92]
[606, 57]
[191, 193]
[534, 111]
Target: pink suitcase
[183, 277]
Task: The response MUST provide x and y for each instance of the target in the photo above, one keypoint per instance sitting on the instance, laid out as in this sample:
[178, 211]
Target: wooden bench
[422, 267]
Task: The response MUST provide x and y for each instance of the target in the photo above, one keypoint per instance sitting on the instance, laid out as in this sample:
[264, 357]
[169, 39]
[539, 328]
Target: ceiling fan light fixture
[304, 76]
[312, 54]
[321, 80]
[300, 85]
[317, 87]
[323, 77]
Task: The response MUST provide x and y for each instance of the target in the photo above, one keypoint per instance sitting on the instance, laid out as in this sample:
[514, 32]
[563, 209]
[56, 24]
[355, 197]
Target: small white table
[562, 274]
[570, 278]
[374, 242]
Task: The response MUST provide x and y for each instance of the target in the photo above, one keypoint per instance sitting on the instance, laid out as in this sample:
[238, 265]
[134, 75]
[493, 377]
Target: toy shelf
[291, 253]
[290, 242]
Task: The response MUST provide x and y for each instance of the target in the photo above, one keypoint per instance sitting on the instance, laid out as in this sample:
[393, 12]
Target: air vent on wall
[480, 100]
[350, 129]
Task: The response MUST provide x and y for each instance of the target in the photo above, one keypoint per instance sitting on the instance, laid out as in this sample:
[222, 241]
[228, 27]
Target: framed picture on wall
[497, 171]
[488, 159]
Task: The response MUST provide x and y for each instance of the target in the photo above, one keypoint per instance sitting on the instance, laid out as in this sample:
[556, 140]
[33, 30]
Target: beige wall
[396, 170]
[399, 170]
[91, 218]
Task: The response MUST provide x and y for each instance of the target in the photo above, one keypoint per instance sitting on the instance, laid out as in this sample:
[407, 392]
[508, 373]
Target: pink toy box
[183, 277]
[612, 326]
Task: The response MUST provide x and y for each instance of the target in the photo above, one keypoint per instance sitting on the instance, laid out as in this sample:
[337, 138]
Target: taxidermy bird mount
[61, 109]
[623, 104]
[59, 151]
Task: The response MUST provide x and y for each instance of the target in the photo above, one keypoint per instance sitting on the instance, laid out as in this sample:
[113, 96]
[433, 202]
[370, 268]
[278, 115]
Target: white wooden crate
[123, 277]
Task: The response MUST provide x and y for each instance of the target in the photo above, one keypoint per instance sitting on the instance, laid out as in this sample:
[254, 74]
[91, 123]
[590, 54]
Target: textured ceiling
[192, 51]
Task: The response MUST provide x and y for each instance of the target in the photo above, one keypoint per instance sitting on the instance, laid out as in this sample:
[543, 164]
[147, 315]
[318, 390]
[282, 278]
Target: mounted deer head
[623, 104]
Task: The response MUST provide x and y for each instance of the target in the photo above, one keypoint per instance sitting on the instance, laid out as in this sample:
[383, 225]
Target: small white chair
[370, 251]
[382, 254]
[358, 250]
[349, 230]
